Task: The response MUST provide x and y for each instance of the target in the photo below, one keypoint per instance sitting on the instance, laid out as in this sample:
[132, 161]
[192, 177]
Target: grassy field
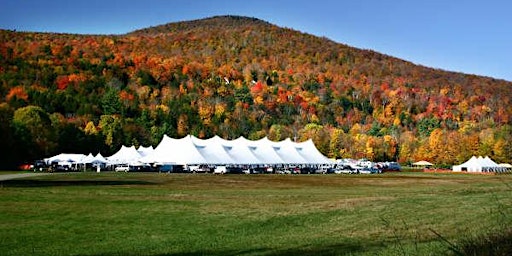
[161, 214]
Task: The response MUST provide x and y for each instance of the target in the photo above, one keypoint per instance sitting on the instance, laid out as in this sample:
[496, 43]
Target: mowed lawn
[187, 214]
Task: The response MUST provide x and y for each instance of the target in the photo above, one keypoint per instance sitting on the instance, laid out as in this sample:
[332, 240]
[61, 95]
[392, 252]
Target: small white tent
[64, 157]
[87, 159]
[99, 159]
[422, 163]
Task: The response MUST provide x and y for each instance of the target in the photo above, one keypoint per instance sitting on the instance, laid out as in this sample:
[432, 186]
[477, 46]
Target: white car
[220, 169]
[122, 168]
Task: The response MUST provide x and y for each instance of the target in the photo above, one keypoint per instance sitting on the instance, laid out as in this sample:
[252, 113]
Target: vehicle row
[338, 168]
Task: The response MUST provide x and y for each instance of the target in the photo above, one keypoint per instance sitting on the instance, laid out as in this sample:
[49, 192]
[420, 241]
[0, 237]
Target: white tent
[87, 159]
[264, 151]
[422, 163]
[478, 164]
[125, 155]
[65, 158]
[238, 150]
[213, 150]
[287, 150]
[308, 150]
[505, 165]
[191, 150]
[144, 151]
[99, 159]
[175, 151]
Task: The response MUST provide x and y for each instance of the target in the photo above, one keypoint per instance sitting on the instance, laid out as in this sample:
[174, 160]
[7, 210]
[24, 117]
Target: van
[220, 169]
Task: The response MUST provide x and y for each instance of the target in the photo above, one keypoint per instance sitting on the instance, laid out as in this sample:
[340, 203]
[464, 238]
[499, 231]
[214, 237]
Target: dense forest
[235, 76]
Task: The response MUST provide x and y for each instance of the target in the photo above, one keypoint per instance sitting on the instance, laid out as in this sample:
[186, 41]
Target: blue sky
[470, 36]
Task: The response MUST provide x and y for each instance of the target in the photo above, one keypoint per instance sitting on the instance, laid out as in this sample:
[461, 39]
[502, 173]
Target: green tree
[10, 157]
[110, 102]
[427, 125]
[375, 130]
[110, 126]
[33, 127]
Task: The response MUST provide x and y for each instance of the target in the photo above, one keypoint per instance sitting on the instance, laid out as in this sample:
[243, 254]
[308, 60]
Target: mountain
[238, 76]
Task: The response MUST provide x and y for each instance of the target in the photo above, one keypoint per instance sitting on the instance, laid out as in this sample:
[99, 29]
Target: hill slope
[234, 76]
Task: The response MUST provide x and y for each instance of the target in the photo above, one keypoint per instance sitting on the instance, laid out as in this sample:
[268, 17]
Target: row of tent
[191, 150]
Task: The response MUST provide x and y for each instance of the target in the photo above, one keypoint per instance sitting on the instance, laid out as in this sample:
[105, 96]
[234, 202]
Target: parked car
[370, 170]
[391, 167]
[345, 169]
[324, 169]
[235, 170]
[122, 168]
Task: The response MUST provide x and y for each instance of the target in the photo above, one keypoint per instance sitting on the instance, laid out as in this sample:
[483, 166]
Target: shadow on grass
[337, 249]
[64, 183]
[497, 243]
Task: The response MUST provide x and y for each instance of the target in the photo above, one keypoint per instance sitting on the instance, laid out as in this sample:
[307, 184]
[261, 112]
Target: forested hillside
[235, 76]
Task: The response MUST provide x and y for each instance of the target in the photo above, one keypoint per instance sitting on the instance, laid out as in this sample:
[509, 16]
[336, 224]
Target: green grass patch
[161, 214]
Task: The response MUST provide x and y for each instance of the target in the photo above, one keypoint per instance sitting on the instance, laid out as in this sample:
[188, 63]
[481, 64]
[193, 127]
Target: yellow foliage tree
[90, 128]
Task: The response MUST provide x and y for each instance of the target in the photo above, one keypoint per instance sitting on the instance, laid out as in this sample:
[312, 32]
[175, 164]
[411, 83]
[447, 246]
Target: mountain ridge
[237, 21]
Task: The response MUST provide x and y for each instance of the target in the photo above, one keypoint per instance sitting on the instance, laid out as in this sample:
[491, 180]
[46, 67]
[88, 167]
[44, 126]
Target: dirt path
[20, 175]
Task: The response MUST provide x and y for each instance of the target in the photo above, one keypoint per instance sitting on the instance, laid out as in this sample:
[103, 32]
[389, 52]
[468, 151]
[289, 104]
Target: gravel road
[20, 175]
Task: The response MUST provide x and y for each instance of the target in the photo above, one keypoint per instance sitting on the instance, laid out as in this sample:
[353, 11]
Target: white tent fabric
[65, 157]
[308, 151]
[144, 151]
[264, 151]
[288, 152]
[213, 150]
[422, 163]
[175, 151]
[238, 150]
[191, 150]
[125, 155]
[478, 164]
[87, 159]
[99, 159]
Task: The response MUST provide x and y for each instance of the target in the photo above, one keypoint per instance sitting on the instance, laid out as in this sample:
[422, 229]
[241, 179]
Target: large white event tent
[479, 164]
[191, 150]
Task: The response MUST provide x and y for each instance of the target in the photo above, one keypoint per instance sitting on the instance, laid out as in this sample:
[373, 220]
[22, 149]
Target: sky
[468, 36]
